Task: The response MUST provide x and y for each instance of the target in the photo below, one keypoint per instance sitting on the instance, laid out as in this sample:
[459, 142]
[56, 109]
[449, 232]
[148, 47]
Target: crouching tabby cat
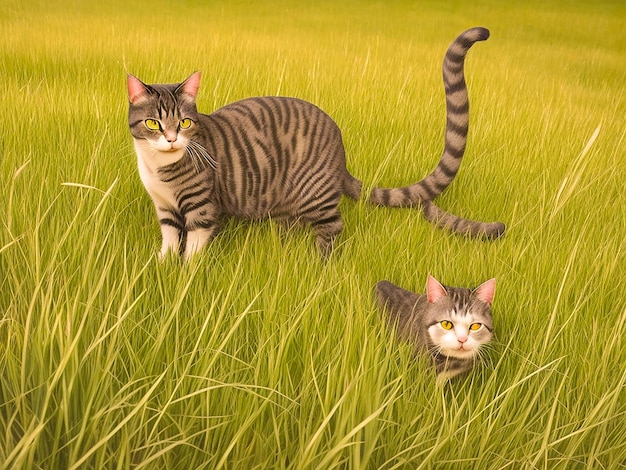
[273, 157]
[451, 324]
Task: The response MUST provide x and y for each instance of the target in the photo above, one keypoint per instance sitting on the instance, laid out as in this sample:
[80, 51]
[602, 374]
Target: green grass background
[256, 354]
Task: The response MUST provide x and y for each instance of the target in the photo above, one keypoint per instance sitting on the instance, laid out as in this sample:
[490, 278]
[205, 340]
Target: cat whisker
[200, 154]
[483, 356]
[435, 351]
[192, 152]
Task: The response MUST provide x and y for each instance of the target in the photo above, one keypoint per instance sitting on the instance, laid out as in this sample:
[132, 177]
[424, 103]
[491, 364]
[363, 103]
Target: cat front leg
[198, 235]
[171, 241]
[171, 230]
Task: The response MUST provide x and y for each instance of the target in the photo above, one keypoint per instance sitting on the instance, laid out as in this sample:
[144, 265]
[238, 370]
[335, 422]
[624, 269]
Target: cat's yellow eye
[475, 326]
[446, 325]
[185, 123]
[152, 124]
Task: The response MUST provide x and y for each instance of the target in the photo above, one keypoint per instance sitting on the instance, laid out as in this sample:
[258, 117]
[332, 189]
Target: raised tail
[457, 114]
[457, 126]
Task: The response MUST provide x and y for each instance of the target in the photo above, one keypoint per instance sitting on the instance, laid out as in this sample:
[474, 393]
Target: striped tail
[453, 223]
[457, 125]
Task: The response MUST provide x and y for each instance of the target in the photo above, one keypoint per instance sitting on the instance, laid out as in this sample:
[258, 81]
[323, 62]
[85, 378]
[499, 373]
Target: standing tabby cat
[273, 157]
[450, 323]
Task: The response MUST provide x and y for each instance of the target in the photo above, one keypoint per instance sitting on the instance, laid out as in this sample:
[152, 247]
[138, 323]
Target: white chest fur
[149, 160]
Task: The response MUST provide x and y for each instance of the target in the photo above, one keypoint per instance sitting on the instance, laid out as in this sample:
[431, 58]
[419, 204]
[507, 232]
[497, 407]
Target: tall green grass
[256, 354]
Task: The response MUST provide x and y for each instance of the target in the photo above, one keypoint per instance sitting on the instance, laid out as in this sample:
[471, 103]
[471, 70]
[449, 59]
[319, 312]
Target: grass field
[256, 354]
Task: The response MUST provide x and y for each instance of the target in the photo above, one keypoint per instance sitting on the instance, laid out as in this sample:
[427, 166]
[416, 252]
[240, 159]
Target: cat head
[163, 118]
[459, 320]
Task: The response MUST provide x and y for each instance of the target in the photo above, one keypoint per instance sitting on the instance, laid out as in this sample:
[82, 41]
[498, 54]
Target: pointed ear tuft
[434, 290]
[486, 291]
[191, 85]
[137, 90]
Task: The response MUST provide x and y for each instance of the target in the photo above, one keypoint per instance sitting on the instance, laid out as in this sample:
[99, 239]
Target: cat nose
[171, 136]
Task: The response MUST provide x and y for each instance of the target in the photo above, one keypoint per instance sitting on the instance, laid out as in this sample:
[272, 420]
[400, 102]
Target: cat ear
[137, 90]
[486, 291]
[434, 290]
[191, 85]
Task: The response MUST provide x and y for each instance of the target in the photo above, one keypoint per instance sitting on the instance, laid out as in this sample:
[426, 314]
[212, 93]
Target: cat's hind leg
[326, 230]
[318, 207]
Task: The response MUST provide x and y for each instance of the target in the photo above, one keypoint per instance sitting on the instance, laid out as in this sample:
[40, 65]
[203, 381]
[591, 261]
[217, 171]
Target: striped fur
[271, 157]
[420, 319]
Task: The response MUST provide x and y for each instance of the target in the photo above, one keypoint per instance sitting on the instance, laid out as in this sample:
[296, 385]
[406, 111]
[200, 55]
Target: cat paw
[166, 252]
